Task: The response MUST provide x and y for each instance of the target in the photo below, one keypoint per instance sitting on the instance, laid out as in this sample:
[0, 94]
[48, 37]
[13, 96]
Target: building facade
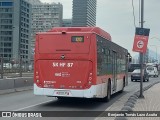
[15, 26]
[84, 13]
[67, 23]
[34, 2]
[44, 17]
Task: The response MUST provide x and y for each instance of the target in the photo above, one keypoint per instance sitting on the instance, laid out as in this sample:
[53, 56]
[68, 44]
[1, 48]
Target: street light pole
[141, 54]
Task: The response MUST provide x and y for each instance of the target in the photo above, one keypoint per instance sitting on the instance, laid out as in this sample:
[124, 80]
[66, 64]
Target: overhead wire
[133, 14]
[139, 13]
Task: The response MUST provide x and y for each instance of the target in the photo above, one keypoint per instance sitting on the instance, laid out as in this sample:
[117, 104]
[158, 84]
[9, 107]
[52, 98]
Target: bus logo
[62, 57]
[58, 74]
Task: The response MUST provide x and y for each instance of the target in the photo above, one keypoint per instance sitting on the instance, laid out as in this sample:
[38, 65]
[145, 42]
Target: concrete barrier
[23, 82]
[8, 85]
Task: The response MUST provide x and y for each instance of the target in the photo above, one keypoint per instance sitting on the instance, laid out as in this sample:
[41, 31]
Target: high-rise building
[34, 2]
[67, 23]
[44, 17]
[84, 13]
[15, 23]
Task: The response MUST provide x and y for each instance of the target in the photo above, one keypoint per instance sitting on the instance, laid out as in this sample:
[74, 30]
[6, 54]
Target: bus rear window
[54, 43]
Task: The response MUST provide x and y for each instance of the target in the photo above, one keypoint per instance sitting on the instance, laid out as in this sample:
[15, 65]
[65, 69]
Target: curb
[132, 101]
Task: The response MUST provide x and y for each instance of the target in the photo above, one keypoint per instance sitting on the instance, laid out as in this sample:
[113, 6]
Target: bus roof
[95, 30]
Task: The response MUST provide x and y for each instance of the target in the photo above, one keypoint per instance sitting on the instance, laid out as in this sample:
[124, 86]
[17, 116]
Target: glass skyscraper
[15, 25]
[84, 13]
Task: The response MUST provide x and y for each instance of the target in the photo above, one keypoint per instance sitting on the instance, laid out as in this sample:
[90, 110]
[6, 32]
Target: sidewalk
[151, 102]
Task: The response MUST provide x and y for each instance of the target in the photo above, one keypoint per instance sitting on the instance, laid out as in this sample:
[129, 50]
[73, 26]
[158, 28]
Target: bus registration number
[64, 93]
[56, 64]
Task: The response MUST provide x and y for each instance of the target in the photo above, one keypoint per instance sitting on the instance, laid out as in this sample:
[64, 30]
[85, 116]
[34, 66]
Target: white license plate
[64, 93]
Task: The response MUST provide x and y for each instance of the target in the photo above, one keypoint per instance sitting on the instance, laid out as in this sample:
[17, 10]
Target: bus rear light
[36, 72]
[89, 82]
[90, 74]
[37, 77]
[37, 81]
[90, 78]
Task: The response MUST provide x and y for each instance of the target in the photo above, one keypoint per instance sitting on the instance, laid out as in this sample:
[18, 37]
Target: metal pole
[20, 67]
[156, 55]
[141, 54]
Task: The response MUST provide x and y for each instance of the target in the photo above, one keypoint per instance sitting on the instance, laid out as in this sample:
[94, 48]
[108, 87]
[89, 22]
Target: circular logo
[140, 44]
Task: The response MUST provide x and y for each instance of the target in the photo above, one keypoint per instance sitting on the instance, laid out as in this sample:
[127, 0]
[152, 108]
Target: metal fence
[19, 66]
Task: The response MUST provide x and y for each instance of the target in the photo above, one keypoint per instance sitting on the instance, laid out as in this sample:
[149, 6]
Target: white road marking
[32, 105]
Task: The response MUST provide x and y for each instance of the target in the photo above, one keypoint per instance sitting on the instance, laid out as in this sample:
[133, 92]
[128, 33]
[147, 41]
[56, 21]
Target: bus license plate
[64, 93]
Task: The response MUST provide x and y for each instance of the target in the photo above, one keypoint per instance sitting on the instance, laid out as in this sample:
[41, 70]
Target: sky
[116, 17]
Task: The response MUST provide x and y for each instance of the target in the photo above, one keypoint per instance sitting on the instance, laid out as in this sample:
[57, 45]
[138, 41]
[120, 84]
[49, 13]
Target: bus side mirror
[130, 59]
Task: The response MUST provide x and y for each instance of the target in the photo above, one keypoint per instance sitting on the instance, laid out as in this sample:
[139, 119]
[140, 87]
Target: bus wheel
[108, 97]
[123, 86]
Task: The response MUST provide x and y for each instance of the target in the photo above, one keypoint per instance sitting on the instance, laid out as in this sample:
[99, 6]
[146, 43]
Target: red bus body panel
[62, 74]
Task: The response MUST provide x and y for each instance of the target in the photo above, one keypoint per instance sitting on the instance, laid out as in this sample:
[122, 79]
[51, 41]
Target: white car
[152, 71]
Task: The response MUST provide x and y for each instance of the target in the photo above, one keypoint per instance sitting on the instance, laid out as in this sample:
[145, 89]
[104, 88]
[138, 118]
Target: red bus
[78, 62]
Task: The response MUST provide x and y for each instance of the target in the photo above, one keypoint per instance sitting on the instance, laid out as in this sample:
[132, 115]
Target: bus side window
[103, 50]
[107, 51]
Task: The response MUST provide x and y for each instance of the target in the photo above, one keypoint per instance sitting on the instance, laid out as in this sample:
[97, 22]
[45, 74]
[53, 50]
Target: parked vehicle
[136, 75]
[152, 71]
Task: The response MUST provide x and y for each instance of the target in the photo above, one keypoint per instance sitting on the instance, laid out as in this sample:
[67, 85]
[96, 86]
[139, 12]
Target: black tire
[123, 86]
[108, 97]
[132, 80]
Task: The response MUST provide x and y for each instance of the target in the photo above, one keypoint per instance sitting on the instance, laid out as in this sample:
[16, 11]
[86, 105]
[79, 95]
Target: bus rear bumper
[95, 91]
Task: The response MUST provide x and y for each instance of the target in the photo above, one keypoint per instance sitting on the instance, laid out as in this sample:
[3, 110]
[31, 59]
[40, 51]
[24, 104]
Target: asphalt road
[26, 101]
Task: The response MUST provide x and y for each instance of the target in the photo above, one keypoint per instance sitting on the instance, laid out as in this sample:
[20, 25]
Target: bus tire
[108, 97]
[123, 86]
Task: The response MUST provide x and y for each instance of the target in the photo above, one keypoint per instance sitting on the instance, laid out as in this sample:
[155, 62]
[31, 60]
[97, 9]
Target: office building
[44, 17]
[67, 23]
[84, 13]
[15, 23]
[34, 2]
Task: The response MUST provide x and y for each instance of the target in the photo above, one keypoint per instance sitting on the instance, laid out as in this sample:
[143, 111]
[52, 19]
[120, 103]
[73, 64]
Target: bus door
[114, 70]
